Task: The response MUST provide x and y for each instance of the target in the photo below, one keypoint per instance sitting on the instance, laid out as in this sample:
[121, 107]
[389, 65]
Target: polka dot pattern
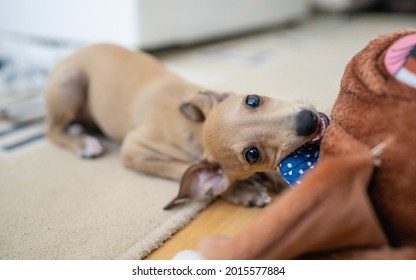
[298, 163]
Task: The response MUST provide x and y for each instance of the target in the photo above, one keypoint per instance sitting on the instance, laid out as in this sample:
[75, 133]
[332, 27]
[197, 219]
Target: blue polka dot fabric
[293, 167]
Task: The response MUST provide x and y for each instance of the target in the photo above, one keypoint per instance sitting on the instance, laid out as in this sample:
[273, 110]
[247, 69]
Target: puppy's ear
[200, 105]
[200, 179]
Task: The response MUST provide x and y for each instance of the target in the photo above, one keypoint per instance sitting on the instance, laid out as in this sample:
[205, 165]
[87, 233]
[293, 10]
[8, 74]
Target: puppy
[213, 143]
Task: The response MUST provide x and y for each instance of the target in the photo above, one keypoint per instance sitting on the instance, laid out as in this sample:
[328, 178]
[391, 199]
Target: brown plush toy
[360, 200]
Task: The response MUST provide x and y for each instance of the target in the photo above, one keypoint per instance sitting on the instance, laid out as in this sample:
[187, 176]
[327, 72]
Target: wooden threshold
[220, 218]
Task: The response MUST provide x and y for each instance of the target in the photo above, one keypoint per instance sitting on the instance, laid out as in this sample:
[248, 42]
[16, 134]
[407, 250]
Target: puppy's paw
[91, 147]
[248, 193]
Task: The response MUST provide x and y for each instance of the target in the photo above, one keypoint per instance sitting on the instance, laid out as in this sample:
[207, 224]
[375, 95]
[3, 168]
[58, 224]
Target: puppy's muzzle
[310, 124]
[306, 123]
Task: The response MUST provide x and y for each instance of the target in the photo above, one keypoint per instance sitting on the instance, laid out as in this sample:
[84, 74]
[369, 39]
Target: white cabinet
[144, 23]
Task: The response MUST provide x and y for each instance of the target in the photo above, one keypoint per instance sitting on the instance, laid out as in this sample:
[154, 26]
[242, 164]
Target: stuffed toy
[359, 201]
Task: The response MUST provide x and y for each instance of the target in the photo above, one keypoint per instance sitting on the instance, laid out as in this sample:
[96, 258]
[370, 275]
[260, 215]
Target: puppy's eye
[252, 155]
[253, 100]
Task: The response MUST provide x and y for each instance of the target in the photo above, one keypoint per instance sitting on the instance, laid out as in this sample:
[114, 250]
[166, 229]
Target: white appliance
[144, 23]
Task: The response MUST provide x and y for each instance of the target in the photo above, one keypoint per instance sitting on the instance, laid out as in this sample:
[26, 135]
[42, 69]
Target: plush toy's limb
[383, 253]
[329, 210]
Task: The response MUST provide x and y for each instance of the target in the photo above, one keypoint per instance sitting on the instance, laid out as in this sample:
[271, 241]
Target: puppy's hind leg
[65, 103]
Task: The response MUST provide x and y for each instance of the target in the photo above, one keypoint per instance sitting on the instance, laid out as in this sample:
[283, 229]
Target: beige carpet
[55, 206]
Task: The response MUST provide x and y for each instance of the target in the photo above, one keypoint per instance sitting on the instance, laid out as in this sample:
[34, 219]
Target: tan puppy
[214, 143]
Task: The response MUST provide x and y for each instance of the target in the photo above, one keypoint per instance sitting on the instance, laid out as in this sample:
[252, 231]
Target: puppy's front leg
[144, 154]
[253, 191]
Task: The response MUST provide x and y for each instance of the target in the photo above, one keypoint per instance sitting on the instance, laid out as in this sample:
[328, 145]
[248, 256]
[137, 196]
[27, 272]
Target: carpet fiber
[56, 206]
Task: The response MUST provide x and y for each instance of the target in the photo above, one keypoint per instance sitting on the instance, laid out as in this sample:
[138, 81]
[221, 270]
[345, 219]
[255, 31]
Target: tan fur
[166, 124]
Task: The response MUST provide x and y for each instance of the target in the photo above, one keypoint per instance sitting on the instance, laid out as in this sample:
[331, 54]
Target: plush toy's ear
[199, 180]
[200, 105]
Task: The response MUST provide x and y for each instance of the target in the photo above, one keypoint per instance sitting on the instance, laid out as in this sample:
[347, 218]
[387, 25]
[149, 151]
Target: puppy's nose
[306, 122]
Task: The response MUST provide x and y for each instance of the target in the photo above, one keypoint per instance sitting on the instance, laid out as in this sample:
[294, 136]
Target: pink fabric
[397, 54]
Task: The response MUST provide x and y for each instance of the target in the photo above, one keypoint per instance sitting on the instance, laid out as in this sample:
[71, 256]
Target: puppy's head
[243, 135]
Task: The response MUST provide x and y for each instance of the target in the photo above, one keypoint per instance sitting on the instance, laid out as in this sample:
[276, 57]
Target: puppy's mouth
[323, 122]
